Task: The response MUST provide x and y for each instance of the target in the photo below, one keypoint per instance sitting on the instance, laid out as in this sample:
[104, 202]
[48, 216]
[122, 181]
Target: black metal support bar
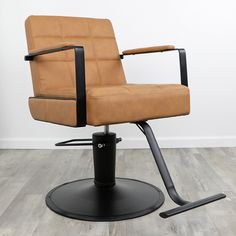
[79, 77]
[80, 87]
[185, 205]
[183, 67]
[161, 164]
[182, 62]
[104, 158]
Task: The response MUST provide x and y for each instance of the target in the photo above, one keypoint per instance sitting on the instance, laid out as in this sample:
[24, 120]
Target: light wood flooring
[27, 175]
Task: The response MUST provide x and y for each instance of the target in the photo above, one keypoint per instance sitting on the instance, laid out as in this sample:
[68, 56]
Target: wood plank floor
[27, 175]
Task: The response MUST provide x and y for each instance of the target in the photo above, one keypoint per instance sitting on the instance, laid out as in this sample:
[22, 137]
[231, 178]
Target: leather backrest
[54, 74]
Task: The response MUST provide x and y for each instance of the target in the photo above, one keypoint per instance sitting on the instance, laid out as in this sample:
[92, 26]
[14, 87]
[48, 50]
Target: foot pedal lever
[191, 205]
[76, 142]
[80, 142]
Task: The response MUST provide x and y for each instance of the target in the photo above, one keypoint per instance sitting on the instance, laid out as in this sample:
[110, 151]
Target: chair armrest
[79, 75]
[50, 49]
[148, 50]
[164, 48]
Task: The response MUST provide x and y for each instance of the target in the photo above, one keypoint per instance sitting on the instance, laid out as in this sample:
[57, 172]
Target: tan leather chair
[78, 80]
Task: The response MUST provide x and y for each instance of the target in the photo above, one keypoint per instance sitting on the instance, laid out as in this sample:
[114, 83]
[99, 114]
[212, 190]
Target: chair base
[106, 198]
[83, 200]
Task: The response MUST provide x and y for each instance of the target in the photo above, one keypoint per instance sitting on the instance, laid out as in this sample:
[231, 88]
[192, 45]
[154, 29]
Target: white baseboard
[127, 143]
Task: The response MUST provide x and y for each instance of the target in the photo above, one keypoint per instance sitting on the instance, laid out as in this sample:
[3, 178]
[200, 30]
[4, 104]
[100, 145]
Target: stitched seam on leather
[88, 59]
[118, 95]
[93, 47]
[37, 79]
[73, 36]
[53, 98]
[134, 93]
[66, 53]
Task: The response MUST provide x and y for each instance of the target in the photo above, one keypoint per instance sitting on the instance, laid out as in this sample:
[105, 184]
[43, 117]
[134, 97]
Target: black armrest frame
[182, 63]
[80, 79]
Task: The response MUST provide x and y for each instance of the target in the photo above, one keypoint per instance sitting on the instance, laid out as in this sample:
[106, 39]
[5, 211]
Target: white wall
[206, 29]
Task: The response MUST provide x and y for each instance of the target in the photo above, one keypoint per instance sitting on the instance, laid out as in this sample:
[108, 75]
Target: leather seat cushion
[117, 104]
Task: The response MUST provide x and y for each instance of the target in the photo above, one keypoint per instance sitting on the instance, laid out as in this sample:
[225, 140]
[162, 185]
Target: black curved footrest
[191, 205]
[169, 184]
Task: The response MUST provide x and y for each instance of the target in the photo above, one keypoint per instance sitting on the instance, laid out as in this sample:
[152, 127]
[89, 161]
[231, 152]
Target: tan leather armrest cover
[58, 45]
[149, 49]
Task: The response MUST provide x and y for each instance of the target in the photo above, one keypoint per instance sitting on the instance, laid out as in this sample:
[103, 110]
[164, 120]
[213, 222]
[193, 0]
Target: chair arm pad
[50, 47]
[149, 49]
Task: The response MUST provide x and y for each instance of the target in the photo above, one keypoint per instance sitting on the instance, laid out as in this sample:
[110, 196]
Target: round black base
[82, 200]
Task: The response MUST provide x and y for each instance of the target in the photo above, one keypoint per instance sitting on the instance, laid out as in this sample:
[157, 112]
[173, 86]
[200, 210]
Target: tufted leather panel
[54, 75]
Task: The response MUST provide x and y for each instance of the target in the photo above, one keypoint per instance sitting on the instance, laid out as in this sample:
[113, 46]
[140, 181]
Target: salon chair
[78, 80]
